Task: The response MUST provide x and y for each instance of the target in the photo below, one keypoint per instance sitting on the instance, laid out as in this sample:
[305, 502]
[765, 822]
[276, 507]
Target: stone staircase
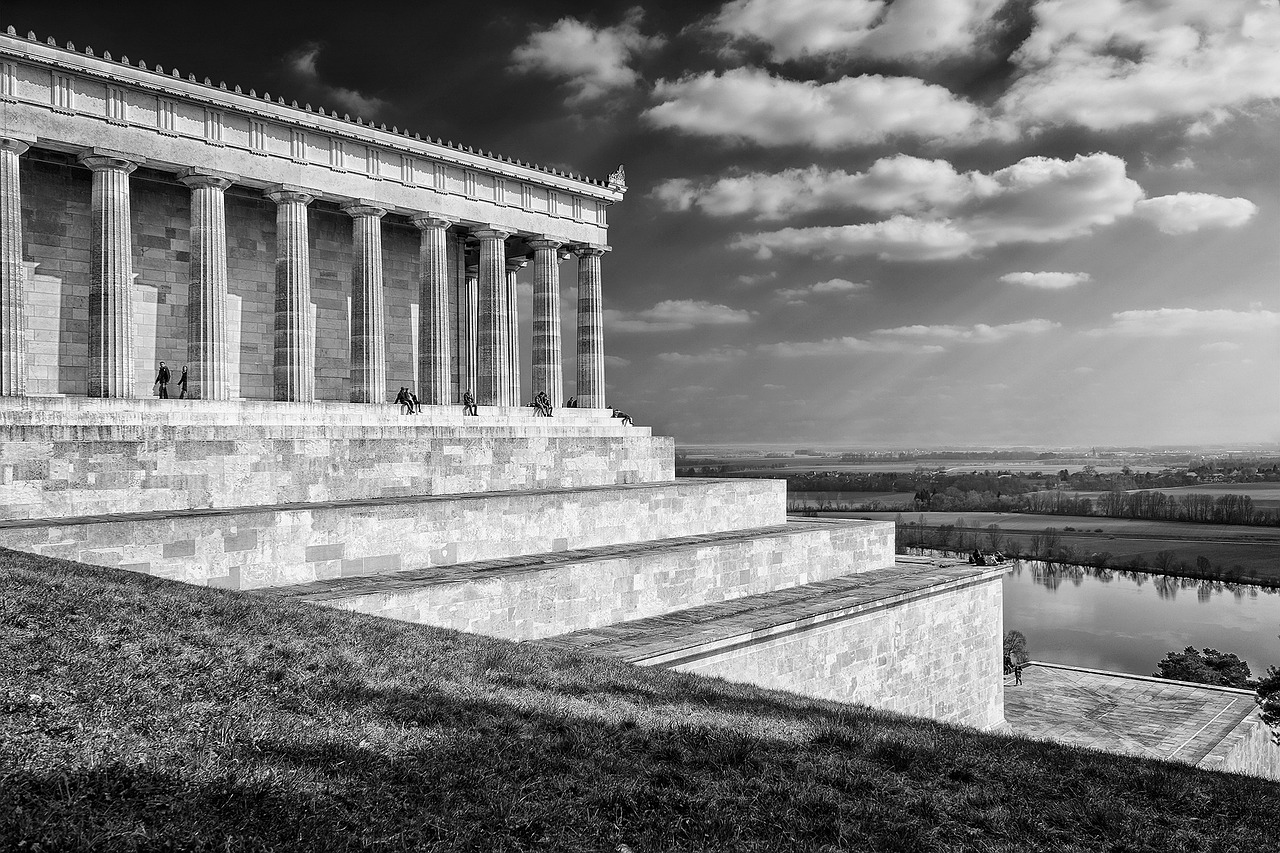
[571, 529]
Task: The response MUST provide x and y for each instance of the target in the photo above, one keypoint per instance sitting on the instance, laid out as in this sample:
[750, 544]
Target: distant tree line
[1048, 546]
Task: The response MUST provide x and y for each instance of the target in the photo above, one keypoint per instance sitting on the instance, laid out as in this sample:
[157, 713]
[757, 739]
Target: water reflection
[1124, 620]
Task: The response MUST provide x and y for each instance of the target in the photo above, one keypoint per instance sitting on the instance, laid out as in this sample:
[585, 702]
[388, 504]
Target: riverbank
[139, 713]
[1234, 554]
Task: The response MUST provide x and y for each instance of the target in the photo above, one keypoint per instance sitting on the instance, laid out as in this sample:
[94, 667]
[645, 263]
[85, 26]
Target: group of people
[977, 558]
[1014, 669]
[163, 377]
[409, 401]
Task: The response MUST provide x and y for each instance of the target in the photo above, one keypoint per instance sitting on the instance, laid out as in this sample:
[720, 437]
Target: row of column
[489, 357]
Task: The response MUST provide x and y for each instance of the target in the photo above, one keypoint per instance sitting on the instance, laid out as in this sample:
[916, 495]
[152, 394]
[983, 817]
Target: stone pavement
[1127, 714]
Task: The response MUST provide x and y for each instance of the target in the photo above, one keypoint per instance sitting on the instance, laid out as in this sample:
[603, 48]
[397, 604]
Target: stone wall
[936, 654]
[538, 601]
[1249, 748]
[79, 456]
[244, 550]
[56, 227]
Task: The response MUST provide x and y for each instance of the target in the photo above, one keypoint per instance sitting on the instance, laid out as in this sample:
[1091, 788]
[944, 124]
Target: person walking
[162, 379]
[1017, 676]
[182, 384]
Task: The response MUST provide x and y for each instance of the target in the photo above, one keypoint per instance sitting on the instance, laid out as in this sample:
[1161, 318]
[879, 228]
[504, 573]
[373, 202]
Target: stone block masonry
[543, 595]
[78, 456]
[271, 546]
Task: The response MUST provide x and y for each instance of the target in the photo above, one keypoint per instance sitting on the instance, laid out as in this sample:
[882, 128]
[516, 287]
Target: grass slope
[140, 714]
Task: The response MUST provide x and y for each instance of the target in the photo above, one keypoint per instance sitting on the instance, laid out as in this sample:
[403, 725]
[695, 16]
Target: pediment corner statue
[618, 180]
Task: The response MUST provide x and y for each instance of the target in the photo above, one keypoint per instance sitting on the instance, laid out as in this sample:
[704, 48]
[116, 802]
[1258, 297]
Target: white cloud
[1185, 213]
[302, 63]
[674, 315]
[749, 104]
[924, 340]
[1106, 64]
[1176, 322]
[759, 277]
[1220, 346]
[1036, 200]
[719, 355]
[900, 183]
[905, 29]
[799, 295]
[901, 238]
[594, 61]
[979, 333]
[1047, 280]
[616, 361]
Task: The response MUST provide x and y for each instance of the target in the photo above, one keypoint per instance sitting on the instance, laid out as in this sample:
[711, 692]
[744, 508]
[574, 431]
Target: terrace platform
[1216, 728]
[913, 637]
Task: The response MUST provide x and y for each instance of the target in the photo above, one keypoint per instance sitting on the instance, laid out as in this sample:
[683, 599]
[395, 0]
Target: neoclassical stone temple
[288, 238]
[302, 265]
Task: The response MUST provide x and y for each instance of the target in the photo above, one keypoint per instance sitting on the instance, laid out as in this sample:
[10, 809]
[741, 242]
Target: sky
[851, 222]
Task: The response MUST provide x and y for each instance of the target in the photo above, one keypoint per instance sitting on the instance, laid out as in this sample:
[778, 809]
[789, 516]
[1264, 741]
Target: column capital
[281, 193]
[101, 159]
[516, 264]
[431, 219]
[545, 241]
[196, 177]
[16, 142]
[591, 250]
[492, 232]
[363, 207]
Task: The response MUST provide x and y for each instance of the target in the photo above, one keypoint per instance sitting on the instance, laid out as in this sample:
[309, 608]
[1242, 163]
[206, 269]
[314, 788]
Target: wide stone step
[82, 462]
[555, 593]
[271, 545]
[919, 637]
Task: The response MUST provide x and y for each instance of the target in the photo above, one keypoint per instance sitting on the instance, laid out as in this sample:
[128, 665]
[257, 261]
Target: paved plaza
[1128, 714]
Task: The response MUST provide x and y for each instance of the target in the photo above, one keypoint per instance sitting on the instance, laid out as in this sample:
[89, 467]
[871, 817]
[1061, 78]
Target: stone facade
[526, 601]
[139, 131]
[298, 543]
[934, 654]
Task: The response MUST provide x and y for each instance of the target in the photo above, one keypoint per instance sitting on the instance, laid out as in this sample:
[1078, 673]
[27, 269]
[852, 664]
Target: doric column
[13, 303]
[110, 276]
[295, 346]
[434, 369]
[514, 266]
[590, 329]
[207, 355]
[493, 364]
[368, 313]
[548, 375]
[468, 330]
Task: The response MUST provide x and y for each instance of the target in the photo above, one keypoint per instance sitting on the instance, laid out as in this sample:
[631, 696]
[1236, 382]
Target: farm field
[801, 464]
[813, 499]
[1264, 495]
[1253, 548]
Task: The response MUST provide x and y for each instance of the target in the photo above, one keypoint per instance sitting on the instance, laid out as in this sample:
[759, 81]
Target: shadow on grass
[178, 718]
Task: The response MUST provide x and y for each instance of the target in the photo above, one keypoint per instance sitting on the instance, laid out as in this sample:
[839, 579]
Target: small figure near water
[162, 379]
[1017, 676]
[571, 403]
[469, 404]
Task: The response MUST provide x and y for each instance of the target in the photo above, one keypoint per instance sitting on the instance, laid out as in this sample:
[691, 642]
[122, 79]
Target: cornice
[207, 94]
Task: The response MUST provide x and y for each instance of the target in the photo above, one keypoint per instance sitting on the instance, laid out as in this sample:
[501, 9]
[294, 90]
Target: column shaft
[368, 311]
[434, 368]
[493, 358]
[207, 355]
[295, 344]
[468, 376]
[513, 328]
[111, 371]
[590, 330]
[548, 373]
[13, 344]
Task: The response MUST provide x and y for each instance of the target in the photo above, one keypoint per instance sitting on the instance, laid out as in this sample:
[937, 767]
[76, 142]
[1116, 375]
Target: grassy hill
[139, 714]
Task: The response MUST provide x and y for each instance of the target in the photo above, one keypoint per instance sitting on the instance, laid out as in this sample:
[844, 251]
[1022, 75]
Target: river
[1127, 621]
